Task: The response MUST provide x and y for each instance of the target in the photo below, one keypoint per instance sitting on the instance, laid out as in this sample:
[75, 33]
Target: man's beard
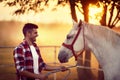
[33, 40]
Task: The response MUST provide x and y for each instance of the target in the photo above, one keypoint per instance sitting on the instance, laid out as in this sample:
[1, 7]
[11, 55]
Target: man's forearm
[29, 74]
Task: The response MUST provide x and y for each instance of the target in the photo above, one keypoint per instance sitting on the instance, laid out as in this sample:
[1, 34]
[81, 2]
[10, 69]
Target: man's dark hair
[28, 27]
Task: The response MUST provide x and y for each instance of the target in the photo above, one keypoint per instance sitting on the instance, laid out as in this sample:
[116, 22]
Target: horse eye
[68, 37]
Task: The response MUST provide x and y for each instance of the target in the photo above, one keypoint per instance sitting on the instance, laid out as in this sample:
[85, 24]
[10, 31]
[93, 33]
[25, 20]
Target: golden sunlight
[95, 13]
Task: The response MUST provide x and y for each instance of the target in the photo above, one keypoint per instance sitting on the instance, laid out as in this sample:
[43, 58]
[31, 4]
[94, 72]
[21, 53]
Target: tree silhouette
[114, 6]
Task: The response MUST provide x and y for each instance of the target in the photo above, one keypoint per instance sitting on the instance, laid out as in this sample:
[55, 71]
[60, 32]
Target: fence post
[55, 75]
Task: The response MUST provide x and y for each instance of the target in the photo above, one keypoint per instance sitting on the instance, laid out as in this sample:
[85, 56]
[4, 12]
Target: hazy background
[49, 34]
[53, 28]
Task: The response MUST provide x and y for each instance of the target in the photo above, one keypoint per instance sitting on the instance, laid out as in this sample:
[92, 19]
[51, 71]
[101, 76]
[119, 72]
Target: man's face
[33, 35]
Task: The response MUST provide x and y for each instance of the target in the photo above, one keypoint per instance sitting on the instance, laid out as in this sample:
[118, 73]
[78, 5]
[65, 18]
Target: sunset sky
[60, 15]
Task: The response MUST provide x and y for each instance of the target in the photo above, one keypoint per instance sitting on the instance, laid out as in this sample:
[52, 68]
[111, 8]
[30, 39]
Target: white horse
[102, 41]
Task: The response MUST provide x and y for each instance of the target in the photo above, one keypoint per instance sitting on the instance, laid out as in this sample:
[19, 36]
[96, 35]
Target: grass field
[7, 70]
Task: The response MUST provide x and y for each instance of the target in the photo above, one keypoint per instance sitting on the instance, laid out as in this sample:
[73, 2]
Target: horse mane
[104, 33]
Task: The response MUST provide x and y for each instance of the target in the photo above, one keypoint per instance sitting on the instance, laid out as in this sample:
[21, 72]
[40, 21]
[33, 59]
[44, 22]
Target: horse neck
[102, 42]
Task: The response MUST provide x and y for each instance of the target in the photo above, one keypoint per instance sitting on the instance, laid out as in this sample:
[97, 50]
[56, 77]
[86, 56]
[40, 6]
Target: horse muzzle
[63, 57]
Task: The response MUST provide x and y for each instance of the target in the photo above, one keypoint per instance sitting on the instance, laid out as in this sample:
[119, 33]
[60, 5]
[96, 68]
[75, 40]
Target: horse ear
[74, 23]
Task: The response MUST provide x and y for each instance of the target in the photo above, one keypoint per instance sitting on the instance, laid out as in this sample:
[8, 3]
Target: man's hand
[42, 76]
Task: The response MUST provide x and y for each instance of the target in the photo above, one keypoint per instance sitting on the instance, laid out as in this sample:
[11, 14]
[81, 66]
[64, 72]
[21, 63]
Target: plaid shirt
[24, 61]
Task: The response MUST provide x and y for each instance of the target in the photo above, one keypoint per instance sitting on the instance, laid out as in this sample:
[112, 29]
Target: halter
[70, 46]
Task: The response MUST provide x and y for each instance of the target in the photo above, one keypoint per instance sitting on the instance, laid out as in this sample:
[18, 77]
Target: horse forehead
[71, 31]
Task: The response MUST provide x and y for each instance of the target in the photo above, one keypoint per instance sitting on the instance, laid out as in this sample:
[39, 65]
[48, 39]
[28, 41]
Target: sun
[95, 13]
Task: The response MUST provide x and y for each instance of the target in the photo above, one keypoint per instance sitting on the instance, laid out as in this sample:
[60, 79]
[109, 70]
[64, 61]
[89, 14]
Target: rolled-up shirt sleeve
[19, 59]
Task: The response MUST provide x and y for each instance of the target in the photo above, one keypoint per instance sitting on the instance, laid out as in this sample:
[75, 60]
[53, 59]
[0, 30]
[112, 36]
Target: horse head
[73, 43]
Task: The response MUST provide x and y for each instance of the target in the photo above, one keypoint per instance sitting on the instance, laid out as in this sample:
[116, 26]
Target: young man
[27, 57]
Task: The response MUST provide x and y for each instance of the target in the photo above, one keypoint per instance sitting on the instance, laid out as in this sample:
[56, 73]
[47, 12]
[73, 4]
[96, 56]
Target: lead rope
[55, 71]
[59, 70]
